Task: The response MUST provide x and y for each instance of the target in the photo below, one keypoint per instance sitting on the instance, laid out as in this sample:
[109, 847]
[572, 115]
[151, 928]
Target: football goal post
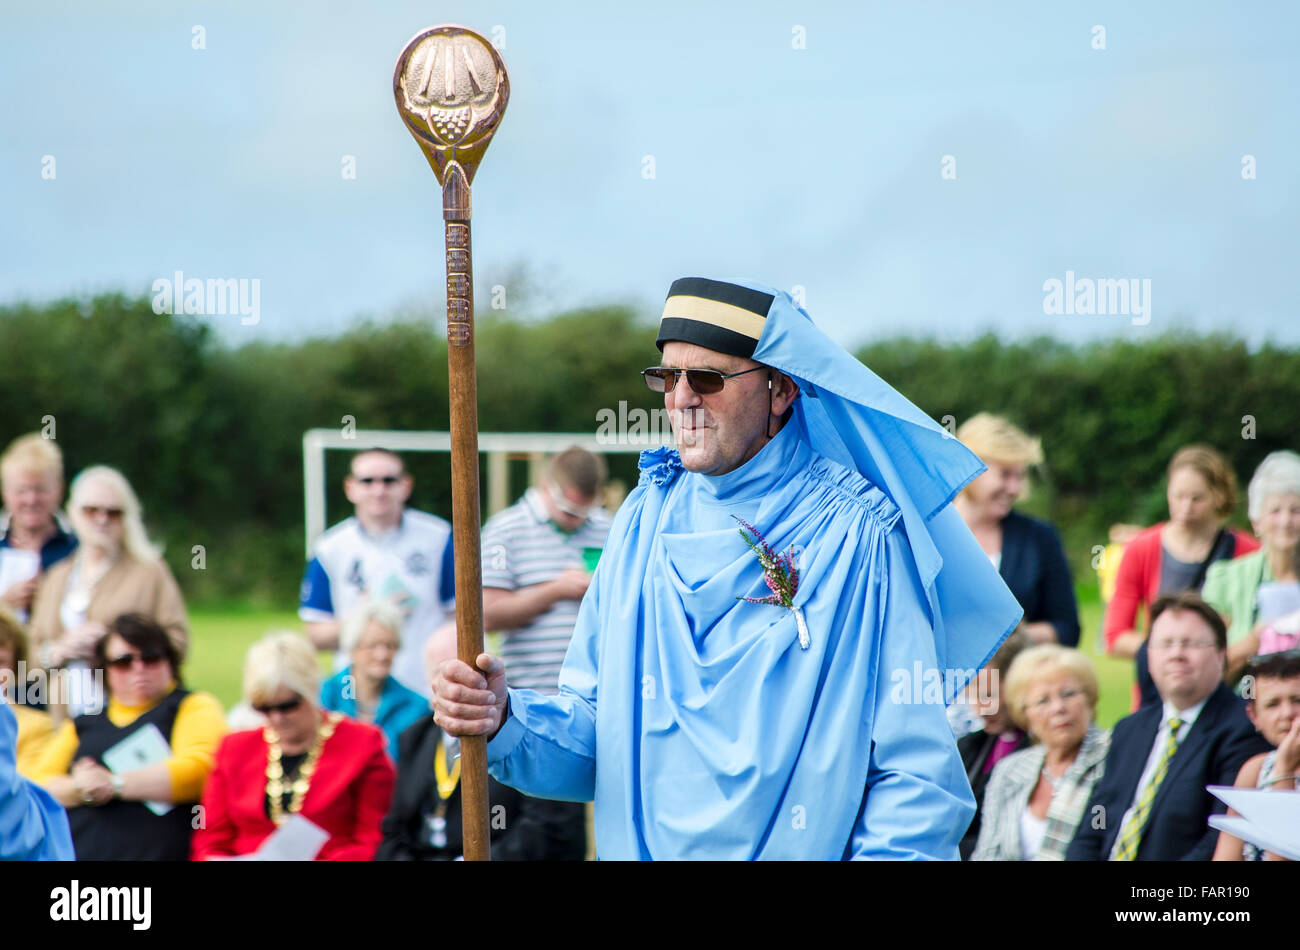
[499, 448]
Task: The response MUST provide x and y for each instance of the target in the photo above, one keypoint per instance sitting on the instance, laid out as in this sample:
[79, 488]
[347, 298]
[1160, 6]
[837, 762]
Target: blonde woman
[33, 535]
[327, 768]
[1027, 552]
[1036, 797]
[115, 571]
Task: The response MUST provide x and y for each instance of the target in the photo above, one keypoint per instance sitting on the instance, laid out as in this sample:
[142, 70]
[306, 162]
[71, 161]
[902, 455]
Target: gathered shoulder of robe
[697, 722]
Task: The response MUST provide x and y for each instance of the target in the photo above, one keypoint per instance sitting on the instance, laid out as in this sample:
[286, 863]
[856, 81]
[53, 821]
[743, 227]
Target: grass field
[223, 633]
[1115, 676]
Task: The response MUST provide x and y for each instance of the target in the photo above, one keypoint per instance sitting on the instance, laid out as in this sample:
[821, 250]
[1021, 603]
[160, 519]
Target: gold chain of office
[275, 771]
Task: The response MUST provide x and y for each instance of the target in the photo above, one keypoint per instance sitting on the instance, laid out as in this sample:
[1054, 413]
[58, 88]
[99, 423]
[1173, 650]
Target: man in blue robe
[33, 826]
[706, 725]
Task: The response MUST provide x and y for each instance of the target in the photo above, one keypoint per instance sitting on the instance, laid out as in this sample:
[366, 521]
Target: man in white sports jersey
[386, 551]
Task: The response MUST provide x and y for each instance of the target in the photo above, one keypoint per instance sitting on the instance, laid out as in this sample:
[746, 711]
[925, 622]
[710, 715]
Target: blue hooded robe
[33, 826]
[696, 721]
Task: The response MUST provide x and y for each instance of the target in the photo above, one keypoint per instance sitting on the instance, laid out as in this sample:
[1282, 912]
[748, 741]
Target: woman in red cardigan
[329, 769]
[1174, 555]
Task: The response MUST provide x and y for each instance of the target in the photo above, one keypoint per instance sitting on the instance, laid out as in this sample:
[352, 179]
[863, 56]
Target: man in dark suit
[1151, 804]
[423, 823]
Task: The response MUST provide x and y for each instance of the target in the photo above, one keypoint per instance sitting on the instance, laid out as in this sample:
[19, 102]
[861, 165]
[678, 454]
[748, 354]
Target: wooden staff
[451, 89]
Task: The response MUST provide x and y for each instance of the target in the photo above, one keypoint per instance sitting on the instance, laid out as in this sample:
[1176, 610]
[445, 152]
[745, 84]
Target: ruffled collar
[659, 466]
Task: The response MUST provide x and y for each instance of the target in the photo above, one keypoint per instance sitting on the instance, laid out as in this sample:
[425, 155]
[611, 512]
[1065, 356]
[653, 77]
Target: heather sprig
[778, 569]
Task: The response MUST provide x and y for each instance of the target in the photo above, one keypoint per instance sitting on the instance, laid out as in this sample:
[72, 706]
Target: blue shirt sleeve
[918, 802]
[315, 591]
[448, 582]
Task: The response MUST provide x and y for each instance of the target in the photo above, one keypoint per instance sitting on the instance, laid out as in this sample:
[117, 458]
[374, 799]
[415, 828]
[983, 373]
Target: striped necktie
[1131, 836]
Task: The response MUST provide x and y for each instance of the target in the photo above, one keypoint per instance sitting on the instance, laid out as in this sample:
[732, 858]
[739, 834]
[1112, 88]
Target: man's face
[718, 433]
[378, 487]
[31, 497]
[566, 506]
[1186, 664]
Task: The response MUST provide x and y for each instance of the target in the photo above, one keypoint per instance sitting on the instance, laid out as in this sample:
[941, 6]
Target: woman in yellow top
[131, 775]
[34, 726]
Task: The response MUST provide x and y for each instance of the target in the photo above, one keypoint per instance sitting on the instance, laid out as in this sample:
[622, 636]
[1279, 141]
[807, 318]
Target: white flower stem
[804, 640]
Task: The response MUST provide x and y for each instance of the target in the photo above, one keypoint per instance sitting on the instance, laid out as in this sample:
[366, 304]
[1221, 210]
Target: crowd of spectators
[350, 765]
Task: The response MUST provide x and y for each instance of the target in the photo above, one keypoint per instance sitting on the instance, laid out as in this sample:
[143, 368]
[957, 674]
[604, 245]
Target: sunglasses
[288, 706]
[383, 480]
[564, 505]
[127, 660]
[706, 382]
[94, 511]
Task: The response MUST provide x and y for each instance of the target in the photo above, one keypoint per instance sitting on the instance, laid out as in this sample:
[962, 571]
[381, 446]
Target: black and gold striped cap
[725, 317]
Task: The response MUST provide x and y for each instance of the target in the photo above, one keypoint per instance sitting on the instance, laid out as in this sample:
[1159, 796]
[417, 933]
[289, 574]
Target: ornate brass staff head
[451, 89]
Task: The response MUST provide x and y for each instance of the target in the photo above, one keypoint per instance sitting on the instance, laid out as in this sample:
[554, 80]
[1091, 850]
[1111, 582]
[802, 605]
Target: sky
[914, 168]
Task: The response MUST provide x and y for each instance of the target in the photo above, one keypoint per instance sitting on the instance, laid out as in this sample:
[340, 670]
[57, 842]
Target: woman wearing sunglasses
[131, 773]
[306, 762]
[115, 570]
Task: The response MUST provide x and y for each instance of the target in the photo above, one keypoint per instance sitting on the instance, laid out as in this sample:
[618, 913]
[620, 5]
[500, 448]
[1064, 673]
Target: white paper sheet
[298, 839]
[17, 565]
[1268, 819]
[1277, 599]
[145, 747]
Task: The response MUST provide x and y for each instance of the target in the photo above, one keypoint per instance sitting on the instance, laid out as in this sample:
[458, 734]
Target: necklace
[275, 771]
[1053, 780]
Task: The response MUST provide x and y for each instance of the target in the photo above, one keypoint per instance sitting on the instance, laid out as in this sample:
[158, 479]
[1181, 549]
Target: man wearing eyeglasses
[1151, 803]
[535, 573]
[747, 677]
[385, 551]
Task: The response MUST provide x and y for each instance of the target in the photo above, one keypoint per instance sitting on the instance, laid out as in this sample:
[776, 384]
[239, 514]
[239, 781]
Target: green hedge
[211, 436]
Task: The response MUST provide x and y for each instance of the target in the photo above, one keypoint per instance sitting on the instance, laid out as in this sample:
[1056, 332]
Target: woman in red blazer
[1173, 556]
[331, 770]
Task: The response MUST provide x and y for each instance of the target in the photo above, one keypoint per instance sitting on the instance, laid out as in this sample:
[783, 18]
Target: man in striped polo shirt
[534, 577]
